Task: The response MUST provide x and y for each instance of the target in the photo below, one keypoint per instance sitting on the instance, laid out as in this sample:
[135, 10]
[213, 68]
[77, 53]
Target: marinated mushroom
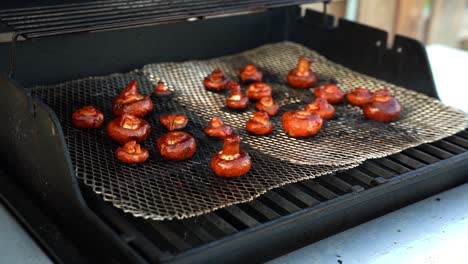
[231, 161]
[131, 153]
[302, 76]
[87, 117]
[173, 122]
[383, 107]
[176, 145]
[301, 123]
[215, 81]
[260, 124]
[321, 107]
[217, 128]
[330, 92]
[129, 101]
[237, 100]
[268, 105]
[257, 90]
[250, 73]
[127, 128]
[359, 96]
[162, 90]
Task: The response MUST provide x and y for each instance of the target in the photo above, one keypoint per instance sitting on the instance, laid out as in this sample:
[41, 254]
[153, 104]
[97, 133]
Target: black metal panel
[363, 48]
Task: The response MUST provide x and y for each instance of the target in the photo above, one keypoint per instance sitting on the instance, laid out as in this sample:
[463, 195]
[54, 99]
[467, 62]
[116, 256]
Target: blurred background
[442, 22]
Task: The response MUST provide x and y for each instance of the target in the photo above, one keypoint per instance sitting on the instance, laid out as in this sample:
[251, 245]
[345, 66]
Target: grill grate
[161, 190]
[195, 232]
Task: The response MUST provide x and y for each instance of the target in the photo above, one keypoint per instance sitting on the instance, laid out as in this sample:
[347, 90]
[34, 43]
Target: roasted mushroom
[330, 92]
[131, 153]
[268, 105]
[359, 96]
[217, 128]
[129, 101]
[302, 76]
[382, 107]
[177, 145]
[260, 124]
[237, 100]
[215, 81]
[173, 122]
[231, 161]
[301, 123]
[87, 117]
[250, 73]
[127, 128]
[257, 90]
[321, 107]
[162, 90]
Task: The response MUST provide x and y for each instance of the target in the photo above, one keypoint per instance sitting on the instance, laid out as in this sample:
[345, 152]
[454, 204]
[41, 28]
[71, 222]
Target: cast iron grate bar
[406, 160]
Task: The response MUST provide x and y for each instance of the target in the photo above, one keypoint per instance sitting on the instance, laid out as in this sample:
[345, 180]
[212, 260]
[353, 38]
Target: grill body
[35, 155]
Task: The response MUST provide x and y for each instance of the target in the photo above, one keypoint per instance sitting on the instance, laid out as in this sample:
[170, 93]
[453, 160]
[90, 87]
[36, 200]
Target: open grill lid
[78, 16]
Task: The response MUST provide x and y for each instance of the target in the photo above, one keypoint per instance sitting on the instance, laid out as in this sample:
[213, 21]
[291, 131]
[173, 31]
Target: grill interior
[177, 238]
[281, 220]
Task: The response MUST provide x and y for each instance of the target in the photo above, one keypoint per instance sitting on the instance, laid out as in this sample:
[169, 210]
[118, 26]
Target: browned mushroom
[260, 124]
[177, 145]
[321, 107]
[302, 76]
[162, 90]
[301, 123]
[131, 153]
[250, 73]
[127, 128]
[88, 117]
[129, 101]
[359, 96]
[257, 90]
[215, 81]
[382, 107]
[173, 122]
[231, 161]
[268, 105]
[330, 92]
[217, 128]
[237, 100]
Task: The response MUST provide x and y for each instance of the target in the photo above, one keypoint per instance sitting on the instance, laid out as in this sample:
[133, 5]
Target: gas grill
[54, 43]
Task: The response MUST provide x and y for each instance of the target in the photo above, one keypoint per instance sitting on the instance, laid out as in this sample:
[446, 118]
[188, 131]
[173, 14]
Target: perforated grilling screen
[161, 189]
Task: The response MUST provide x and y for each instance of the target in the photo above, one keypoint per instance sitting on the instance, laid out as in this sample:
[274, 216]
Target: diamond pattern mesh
[160, 189]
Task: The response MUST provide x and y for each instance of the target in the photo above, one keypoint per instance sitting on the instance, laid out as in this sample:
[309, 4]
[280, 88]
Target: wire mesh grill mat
[161, 189]
[347, 139]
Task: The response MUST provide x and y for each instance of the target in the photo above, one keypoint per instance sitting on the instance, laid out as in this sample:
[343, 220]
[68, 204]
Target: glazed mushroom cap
[330, 92]
[176, 145]
[260, 124]
[173, 122]
[231, 161]
[359, 96]
[250, 73]
[236, 100]
[268, 105]
[257, 90]
[129, 101]
[382, 107]
[131, 153]
[321, 107]
[302, 76]
[87, 117]
[162, 90]
[301, 123]
[127, 128]
[217, 128]
[215, 81]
